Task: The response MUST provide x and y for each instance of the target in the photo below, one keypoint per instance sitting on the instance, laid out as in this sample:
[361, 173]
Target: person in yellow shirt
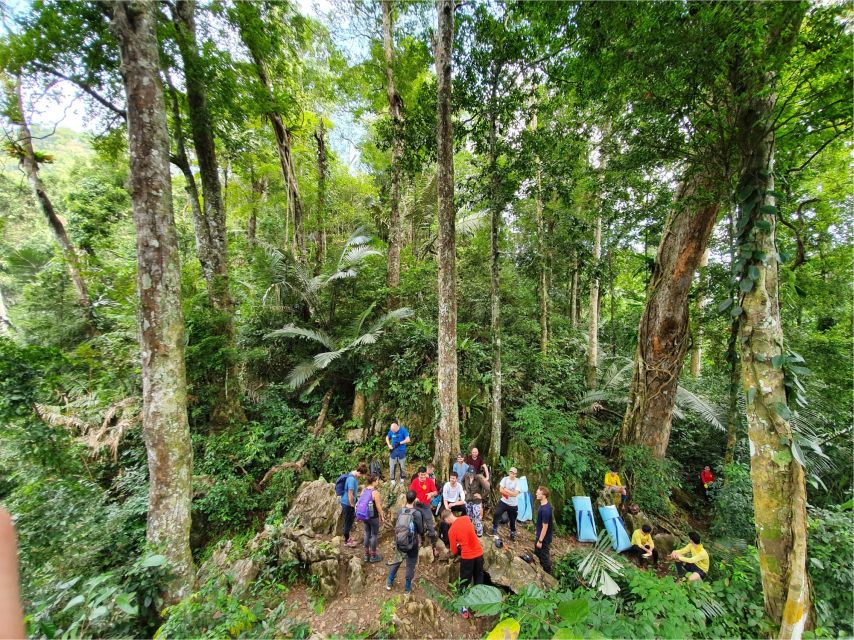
[613, 484]
[643, 545]
[692, 559]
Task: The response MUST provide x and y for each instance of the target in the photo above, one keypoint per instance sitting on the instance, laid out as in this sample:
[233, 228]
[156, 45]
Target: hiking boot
[387, 586]
[350, 543]
[512, 536]
[376, 558]
[464, 612]
[367, 558]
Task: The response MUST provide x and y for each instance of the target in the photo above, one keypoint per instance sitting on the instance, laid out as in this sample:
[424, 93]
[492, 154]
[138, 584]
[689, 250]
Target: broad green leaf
[75, 601]
[776, 194]
[753, 272]
[123, 603]
[798, 454]
[736, 311]
[573, 611]
[768, 210]
[726, 304]
[98, 612]
[507, 629]
[751, 394]
[778, 361]
[153, 561]
[763, 225]
[783, 411]
[483, 599]
[746, 285]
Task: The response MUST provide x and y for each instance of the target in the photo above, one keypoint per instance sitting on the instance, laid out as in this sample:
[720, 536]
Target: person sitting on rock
[613, 484]
[476, 491]
[460, 467]
[348, 501]
[453, 495]
[463, 542]
[375, 520]
[408, 529]
[479, 464]
[436, 502]
[692, 559]
[396, 439]
[425, 490]
[643, 544]
[509, 503]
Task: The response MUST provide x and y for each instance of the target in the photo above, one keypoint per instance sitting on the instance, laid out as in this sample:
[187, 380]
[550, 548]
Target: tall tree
[26, 154]
[322, 178]
[448, 432]
[593, 313]
[212, 240]
[161, 322]
[395, 107]
[699, 304]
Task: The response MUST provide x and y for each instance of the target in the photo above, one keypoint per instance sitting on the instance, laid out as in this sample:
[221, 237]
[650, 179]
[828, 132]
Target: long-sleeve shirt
[462, 533]
[473, 484]
[698, 556]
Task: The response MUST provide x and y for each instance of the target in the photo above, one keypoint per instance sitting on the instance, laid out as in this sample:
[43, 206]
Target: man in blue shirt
[543, 537]
[397, 438]
[348, 501]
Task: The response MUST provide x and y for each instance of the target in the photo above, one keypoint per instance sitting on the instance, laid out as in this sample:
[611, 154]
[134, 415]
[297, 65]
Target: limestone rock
[288, 552]
[316, 507]
[327, 576]
[356, 580]
[217, 563]
[664, 543]
[635, 521]
[425, 555]
[243, 572]
[311, 550]
[507, 569]
[413, 617]
[355, 436]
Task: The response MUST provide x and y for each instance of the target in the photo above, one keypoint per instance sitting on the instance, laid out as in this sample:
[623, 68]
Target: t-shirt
[706, 476]
[460, 468]
[421, 489]
[642, 539]
[507, 483]
[350, 485]
[462, 533]
[544, 516]
[477, 463]
[453, 494]
[397, 450]
[698, 557]
[613, 479]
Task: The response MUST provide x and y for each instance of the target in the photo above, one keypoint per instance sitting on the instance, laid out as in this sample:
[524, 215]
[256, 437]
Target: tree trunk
[227, 405]
[448, 432]
[6, 325]
[395, 111]
[779, 484]
[543, 285]
[697, 347]
[732, 357]
[663, 332]
[259, 193]
[593, 318]
[324, 411]
[612, 311]
[573, 293]
[161, 323]
[495, 290]
[27, 158]
[322, 173]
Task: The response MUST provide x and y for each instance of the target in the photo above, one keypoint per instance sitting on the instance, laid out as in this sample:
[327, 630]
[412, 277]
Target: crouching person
[463, 542]
[692, 559]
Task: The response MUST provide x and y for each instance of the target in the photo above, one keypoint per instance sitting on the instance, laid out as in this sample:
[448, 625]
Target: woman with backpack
[369, 511]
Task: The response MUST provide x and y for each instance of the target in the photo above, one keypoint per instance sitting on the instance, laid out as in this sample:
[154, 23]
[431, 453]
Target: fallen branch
[296, 466]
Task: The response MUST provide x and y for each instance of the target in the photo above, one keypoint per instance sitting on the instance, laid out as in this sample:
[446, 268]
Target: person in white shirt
[509, 503]
[453, 496]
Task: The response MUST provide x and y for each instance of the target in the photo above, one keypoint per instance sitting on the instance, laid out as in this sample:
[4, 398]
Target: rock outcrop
[664, 543]
[413, 617]
[509, 570]
[316, 507]
[356, 576]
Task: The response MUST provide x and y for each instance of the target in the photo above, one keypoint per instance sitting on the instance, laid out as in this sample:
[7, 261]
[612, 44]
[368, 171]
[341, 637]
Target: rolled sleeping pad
[620, 540]
[584, 522]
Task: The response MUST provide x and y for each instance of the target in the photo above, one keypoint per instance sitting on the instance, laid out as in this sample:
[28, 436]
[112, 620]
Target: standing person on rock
[369, 510]
[425, 490]
[543, 537]
[509, 503]
[476, 490]
[348, 501]
[479, 464]
[408, 529]
[396, 439]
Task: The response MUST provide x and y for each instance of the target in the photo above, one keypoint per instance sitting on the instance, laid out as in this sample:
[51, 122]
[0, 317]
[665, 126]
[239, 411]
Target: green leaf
[726, 304]
[768, 210]
[736, 311]
[801, 371]
[763, 225]
[746, 285]
[99, 612]
[573, 611]
[75, 601]
[776, 194]
[745, 192]
[778, 361]
[751, 394]
[782, 410]
[483, 599]
[753, 272]
[123, 603]
[153, 561]
[798, 454]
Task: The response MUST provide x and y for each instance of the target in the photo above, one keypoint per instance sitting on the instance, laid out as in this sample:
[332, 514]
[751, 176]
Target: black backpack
[404, 530]
[376, 469]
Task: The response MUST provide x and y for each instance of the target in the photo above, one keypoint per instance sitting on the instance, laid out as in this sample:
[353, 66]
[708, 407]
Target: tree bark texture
[697, 346]
[663, 332]
[543, 286]
[495, 288]
[573, 293]
[593, 317]
[6, 325]
[322, 175]
[448, 432]
[161, 323]
[211, 225]
[395, 107]
[27, 158]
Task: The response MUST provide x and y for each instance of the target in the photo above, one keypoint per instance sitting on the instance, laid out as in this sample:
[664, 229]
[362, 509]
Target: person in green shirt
[692, 559]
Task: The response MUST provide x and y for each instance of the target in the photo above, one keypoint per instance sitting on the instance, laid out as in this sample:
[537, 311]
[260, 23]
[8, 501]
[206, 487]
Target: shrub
[733, 504]
[651, 480]
[831, 546]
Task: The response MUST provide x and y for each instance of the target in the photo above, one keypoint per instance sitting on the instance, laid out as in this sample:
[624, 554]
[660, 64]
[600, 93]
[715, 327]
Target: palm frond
[694, 403]
[396, 314]
[55, 418]
[599, 564]
[358, 237]
[342, 275]
[293, 331]
[323, 360]
[301, 373]
[354, 256]
[469, 224]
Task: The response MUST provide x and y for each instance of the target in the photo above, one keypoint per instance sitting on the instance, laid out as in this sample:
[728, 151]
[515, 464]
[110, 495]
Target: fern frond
[54, 417]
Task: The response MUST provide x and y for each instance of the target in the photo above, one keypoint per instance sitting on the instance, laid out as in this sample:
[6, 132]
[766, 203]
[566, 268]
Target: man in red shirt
[425, 489]
[465, 543]
[707, 478]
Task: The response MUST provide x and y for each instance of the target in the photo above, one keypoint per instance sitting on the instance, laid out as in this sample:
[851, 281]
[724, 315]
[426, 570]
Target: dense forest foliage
[572, 234]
